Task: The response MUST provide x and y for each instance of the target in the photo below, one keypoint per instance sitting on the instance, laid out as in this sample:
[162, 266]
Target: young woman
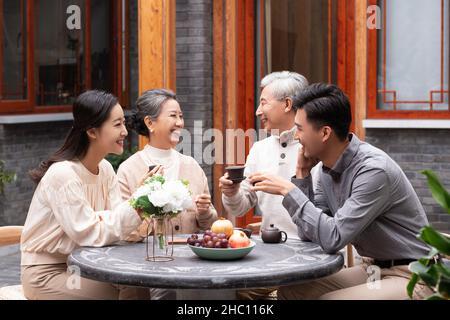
[77, 202]
[159, 117]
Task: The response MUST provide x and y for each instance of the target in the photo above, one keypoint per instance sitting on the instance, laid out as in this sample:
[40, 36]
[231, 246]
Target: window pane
[298, 38]
[59, 53]
[13, 39]
[413, 55]
[102, 71]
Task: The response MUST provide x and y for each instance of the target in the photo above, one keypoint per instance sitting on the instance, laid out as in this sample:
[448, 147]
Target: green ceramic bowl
[222, 254]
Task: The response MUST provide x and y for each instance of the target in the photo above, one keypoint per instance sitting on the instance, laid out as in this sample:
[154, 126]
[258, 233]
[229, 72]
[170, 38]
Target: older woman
[159, 117]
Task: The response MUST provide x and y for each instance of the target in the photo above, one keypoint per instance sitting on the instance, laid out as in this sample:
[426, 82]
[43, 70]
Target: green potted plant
[431, 268]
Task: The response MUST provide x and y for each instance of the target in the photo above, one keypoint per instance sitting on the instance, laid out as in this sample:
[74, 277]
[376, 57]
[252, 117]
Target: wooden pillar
[360, 67]
[157, 47]
[225, 80]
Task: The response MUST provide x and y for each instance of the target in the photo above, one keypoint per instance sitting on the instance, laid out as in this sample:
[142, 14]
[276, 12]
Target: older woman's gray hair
[149, 104]
[284, 84]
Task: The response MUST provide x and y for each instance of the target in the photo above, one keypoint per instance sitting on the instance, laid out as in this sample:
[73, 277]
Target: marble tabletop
[267, 265]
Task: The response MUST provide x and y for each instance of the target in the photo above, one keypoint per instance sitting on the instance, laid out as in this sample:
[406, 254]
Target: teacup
[235, 173]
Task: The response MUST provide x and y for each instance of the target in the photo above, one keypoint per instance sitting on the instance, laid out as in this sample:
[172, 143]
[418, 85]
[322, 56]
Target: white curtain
[413, 53]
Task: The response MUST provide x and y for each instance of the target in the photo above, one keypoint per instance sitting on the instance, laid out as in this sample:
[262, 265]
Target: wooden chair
[255, 227]
[11, 235]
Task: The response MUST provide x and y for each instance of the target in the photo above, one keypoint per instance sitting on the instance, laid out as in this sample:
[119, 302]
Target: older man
[276, 154]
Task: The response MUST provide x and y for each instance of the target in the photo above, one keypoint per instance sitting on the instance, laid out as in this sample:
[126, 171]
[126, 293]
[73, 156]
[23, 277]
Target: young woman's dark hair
[325, 105]
[90, 110]
[148, 104]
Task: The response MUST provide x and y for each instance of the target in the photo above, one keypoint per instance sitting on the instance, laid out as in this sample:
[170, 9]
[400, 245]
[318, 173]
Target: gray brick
[416, 150]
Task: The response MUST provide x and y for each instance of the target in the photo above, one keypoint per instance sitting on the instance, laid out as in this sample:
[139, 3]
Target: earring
[152, 131]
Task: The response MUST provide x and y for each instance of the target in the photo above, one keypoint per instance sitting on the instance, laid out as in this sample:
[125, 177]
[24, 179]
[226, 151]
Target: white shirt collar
[286, 136]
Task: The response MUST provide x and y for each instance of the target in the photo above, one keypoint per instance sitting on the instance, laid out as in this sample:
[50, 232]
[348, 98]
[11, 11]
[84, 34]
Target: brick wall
[416, 150]
[194, 67]
[22, 147]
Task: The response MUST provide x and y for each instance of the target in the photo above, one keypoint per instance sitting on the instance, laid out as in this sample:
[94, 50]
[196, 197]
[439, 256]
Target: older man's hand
[270, 183]
[227, 186]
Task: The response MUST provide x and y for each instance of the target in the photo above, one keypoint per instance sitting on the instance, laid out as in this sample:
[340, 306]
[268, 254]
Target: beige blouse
[72, 207]
[176, 166]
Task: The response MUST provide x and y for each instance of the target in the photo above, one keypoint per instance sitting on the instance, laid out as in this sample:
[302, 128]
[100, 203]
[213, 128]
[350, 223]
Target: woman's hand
[270, 183]
[156, 170]
[203, 203]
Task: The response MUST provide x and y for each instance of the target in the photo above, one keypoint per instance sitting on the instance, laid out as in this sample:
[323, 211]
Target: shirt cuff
[303, 184]
[233, 199]
[294, 200]
[131, 220]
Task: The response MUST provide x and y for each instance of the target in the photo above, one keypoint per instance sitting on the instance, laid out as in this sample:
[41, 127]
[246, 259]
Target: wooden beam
[157, 47]
[360, 67]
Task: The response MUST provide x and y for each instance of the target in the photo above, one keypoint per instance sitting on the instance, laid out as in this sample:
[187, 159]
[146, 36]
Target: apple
[239, 240]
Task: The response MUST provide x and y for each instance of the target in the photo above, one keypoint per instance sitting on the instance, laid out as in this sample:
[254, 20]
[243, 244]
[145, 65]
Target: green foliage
[5, 176]
[430, 269]
[116, 160]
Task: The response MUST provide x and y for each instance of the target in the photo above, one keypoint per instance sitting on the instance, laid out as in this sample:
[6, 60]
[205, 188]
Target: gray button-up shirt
[366, 200]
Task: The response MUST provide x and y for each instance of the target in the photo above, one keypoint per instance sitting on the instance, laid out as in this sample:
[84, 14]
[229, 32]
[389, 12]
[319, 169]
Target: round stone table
[267, 265]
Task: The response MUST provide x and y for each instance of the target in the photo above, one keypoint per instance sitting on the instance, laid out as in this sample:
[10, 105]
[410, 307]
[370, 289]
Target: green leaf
[438, 191]
[430, 277]
[444, 288]
[417, 267]
[435, 239]
[443, 270]
[411, 284]
[433, 252]
[435, 296]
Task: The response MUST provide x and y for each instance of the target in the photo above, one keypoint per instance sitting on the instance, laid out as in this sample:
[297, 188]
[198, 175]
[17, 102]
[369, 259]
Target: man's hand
[227, 187]
[304, 164]
[203, 203]
[271, 184]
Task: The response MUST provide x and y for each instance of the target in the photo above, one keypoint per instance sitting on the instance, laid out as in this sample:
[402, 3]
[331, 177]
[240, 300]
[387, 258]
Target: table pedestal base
[215, 294]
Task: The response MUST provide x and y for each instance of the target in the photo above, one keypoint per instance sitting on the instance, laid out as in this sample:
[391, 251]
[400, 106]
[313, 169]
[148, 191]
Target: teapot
[273, 235]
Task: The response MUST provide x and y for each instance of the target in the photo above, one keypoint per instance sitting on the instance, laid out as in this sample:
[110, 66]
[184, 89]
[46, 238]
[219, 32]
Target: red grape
[206, 239]
[224, 243]
[210, 244]
[218, 245]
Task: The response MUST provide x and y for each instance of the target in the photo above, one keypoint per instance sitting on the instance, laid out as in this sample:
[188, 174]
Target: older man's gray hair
[284, 83]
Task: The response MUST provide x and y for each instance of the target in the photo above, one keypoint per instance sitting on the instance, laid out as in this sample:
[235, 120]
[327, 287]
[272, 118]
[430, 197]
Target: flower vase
[161, 248]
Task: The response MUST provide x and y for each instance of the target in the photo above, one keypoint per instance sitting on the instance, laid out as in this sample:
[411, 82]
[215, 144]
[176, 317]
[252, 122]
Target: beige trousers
[55, 282]
[362, 282]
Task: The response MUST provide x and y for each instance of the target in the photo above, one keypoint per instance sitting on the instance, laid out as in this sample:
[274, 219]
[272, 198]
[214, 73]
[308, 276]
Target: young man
[362, 197]
[276, 154]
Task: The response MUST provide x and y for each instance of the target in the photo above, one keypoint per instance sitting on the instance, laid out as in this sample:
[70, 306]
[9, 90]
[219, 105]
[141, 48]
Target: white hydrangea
[171, 196]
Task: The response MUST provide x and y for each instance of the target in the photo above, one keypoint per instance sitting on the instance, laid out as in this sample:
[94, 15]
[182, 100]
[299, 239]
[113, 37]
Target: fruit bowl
[222, 253]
